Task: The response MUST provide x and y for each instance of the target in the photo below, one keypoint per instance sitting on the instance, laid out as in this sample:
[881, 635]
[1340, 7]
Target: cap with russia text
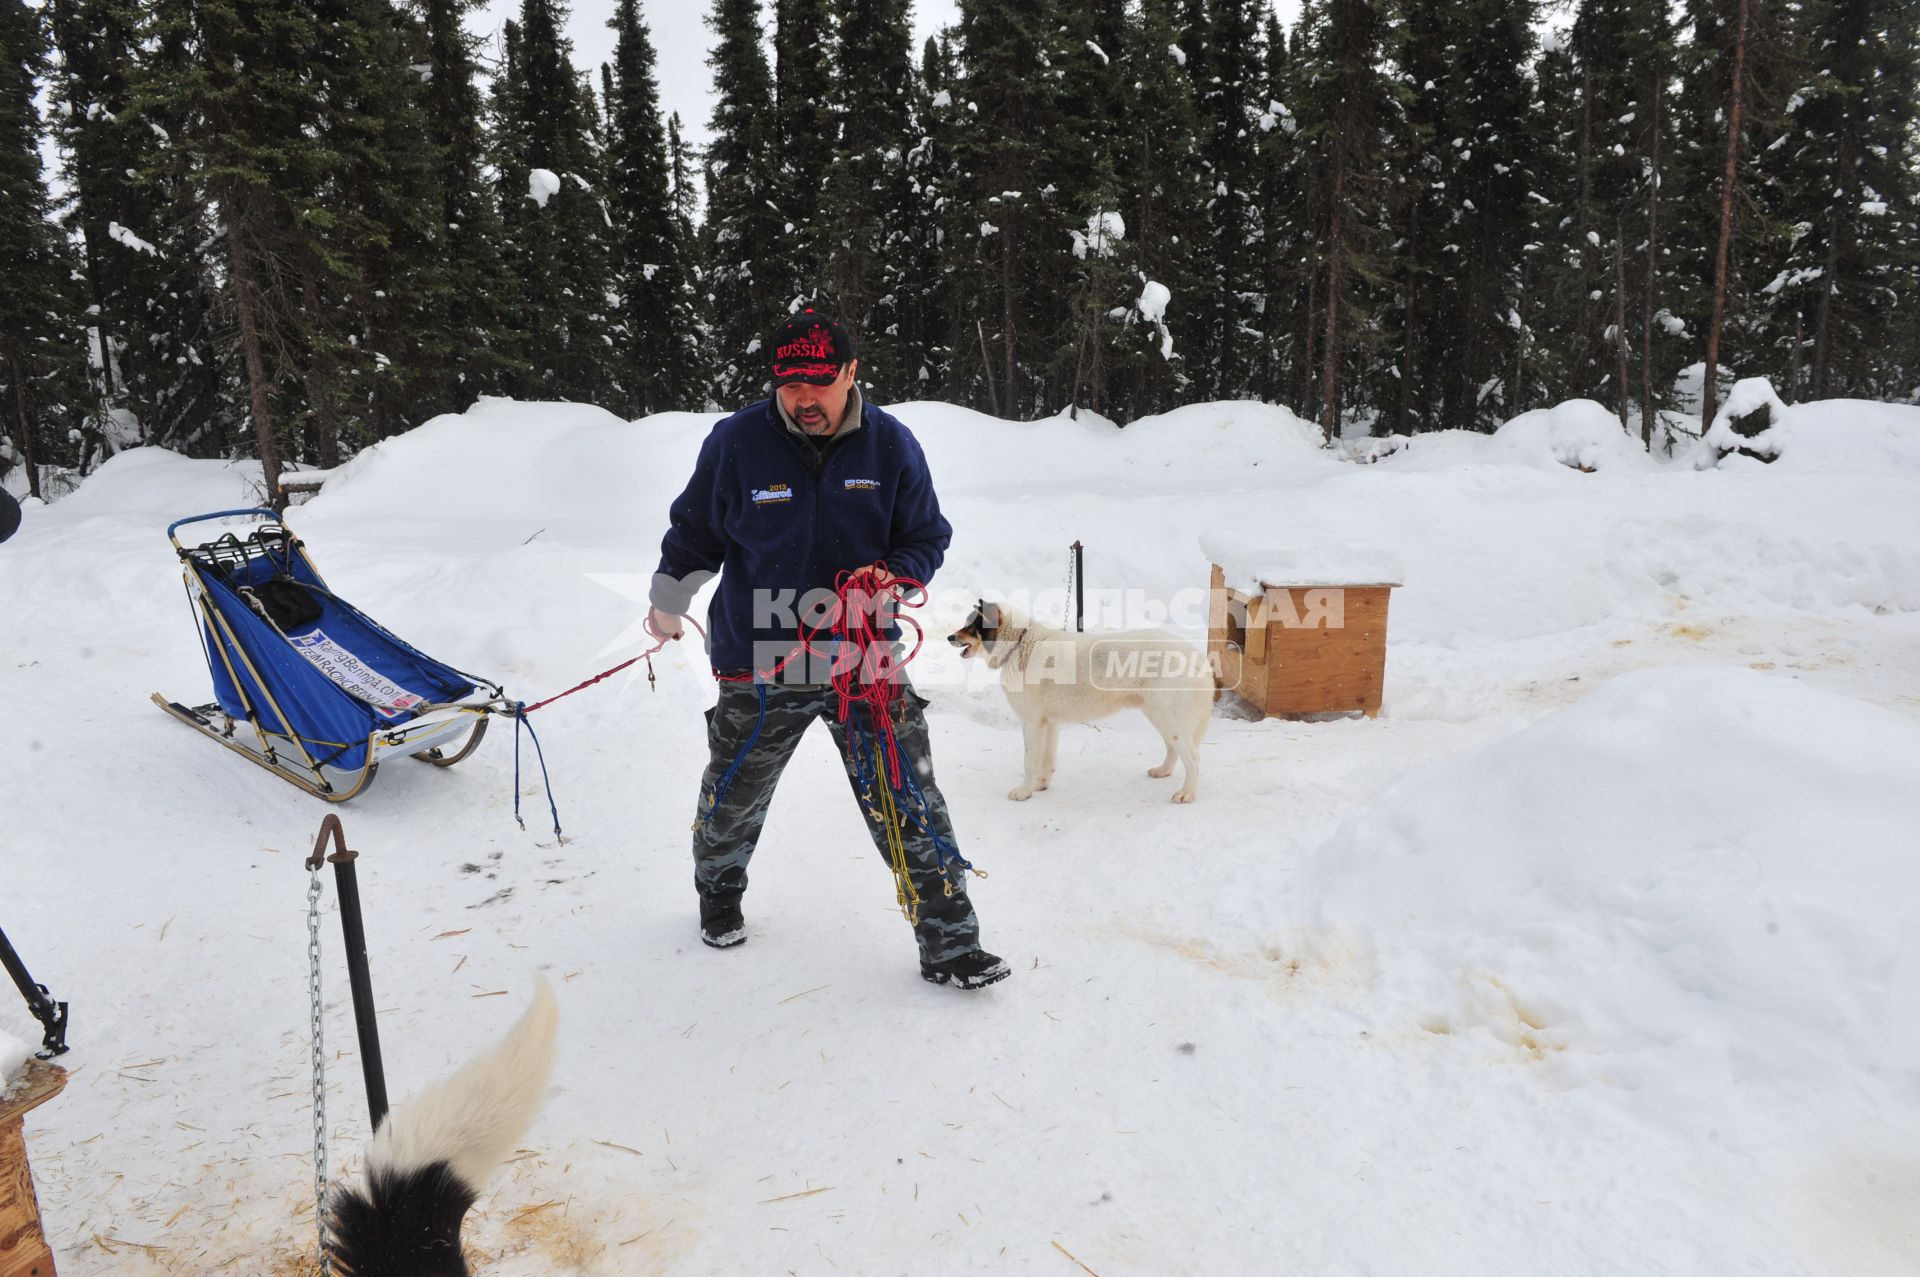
[809, 347]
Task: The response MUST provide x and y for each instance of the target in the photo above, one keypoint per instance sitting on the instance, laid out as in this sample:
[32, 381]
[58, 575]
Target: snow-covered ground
[1595, 953]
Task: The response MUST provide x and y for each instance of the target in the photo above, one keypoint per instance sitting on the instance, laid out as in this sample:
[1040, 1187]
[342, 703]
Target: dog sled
[305, 684]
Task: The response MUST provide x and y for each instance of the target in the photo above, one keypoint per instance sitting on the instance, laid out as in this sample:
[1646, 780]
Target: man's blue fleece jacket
[756, 512]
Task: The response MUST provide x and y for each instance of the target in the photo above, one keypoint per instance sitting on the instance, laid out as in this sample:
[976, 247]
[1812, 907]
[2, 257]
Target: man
[788, 494]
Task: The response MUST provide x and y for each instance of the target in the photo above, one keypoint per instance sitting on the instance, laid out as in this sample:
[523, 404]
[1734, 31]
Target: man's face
[817, 410]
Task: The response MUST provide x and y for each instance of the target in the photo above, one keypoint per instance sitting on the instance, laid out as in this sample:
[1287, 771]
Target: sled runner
[304, 683]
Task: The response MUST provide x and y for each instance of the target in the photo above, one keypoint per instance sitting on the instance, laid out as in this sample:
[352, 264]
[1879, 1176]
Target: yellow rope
[889, 816]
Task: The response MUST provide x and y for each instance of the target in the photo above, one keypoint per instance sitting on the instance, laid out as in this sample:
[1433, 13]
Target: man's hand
[665, 625]
[880, 574]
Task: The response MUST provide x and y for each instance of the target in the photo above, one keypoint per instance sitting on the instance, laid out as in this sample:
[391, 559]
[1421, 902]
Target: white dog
[1055, 676]
[436, 1151]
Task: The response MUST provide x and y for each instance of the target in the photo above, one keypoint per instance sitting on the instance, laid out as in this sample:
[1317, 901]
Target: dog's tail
[435, 1152]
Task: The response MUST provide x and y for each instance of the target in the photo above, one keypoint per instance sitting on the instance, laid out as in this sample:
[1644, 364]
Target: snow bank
[1825, 435]
[1249, 565]
[1495, 538]
[570, 472]
[1690, 874]
[164, 484]
[1225, 447]
[1578, 433]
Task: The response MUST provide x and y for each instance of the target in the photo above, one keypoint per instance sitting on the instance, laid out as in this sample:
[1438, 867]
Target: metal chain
[319, 1072]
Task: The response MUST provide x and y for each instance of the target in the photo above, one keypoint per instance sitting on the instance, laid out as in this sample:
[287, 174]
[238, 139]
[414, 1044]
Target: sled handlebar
[220, 514]
[177, 524]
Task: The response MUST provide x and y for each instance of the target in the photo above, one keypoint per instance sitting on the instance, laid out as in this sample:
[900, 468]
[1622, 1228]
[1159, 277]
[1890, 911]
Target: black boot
[721, 926]
[974, 969]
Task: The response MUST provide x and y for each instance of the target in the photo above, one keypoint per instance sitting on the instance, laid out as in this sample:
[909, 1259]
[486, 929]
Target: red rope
[862, 668]
[646, 656]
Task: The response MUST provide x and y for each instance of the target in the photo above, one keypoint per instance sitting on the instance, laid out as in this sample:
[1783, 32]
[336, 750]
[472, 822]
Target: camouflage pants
[726, 833]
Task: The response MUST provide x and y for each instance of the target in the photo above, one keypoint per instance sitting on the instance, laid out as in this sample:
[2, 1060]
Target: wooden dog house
[1299, 650]
[23, 1246]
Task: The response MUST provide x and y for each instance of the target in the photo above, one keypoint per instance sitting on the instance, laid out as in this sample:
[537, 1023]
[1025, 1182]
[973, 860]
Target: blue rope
[520, 721]
[733, 769]
[862, 743]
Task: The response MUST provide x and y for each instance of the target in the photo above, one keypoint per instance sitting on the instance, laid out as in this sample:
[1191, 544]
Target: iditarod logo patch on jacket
[772, 494]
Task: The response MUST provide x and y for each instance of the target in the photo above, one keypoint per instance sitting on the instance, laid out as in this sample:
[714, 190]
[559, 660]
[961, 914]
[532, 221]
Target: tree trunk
[247, 311]
[321, 375]
[1312, 350]
[1577, 356]
[1330, 358]
[1793, 360]
[986, 369]
[29, 455]
[1467, 416]
[1410, 304]
[90, 241]
[1710, 397]
[1007, 315]
[1653, 257]
[1624, 391]
[1823, 315]
[1520, 340]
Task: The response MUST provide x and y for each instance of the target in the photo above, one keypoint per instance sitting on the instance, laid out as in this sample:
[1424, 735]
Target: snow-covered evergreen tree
[42, 386]
[745, 243]
[658, 346]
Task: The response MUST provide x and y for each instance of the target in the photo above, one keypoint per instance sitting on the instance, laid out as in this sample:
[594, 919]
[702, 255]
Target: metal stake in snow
[347, 883]
[52, 1015]
[1079, 589]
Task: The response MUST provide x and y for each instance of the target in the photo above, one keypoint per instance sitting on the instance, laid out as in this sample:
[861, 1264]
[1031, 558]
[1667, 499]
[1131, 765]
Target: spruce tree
[556, 225]
[1282, 276]
[379, 289]
[1617, 121]
[1464, 197]
[95, 41]
[157, 375]
[1097, 113]
[192, 396]
[873, 224]
[1846, 261]
[683, 167]
[1003, 219]
[805, 130]
[475, 361]
[1163, 180]
[40, 374]
[1740, 68]
[659, 347]
[239, 79]
[1346, 108]
[1419, 343]
[933, 326]
[745, 240]
[1230, 106]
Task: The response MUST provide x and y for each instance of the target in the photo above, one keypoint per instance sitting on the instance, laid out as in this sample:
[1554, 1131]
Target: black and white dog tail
[434, 1153]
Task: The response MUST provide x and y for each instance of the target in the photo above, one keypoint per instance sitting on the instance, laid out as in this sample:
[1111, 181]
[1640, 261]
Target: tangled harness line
[864, 670]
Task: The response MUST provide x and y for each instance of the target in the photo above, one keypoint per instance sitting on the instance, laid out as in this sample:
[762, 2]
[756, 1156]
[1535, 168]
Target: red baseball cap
[809, 347]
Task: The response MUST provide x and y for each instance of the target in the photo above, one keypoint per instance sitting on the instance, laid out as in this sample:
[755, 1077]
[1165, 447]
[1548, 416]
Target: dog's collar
[1019, 642]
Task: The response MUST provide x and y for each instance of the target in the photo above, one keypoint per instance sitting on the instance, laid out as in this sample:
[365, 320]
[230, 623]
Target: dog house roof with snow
[23, 1244]
[1300, 631]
